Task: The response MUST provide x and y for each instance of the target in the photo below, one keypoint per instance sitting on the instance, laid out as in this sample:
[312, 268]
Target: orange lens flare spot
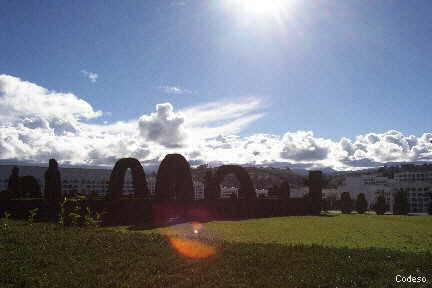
[196, 227]
[192, 248]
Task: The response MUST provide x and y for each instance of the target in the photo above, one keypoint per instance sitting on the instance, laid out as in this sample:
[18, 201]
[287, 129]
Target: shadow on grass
[98, 258]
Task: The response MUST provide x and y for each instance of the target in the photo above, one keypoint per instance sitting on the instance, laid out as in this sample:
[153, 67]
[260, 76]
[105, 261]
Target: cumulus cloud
[92, 76]
[163, 127]
[303, 146]
[37, 124]
[21, 99]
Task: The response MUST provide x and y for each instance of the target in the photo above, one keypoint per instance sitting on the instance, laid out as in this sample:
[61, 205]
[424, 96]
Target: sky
[340, 84]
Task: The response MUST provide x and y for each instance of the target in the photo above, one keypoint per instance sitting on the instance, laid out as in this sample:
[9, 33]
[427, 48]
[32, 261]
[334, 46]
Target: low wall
[140, 211]
[19, 208]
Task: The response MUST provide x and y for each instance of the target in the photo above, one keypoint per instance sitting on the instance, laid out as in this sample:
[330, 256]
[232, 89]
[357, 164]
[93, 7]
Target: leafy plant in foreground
[32, 215]
[5, 221]
[74, 211]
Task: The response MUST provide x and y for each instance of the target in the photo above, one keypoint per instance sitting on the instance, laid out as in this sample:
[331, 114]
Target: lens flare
[192, 248]
[187, 242]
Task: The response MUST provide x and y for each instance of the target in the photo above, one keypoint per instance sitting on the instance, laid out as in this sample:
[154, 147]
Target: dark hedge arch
[118, 174]
[174, 178]
[247, 189]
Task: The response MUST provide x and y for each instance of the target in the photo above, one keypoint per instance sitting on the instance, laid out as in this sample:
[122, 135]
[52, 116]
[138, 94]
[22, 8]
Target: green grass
[338, 251]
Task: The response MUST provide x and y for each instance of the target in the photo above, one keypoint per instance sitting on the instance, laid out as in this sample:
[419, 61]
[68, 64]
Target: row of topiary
[67, 211]
[400, 204]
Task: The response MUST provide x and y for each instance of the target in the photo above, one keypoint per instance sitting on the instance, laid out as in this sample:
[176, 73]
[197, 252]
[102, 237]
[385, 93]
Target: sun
[276, 9]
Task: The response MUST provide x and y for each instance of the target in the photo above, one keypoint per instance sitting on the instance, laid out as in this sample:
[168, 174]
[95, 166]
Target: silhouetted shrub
[30, 187]
[400, 206]
[118, 176]
[430, 207]
[284, 190]
[247, 190]
[174, 179]
[53, 187]
[14, 183]
[5, 195]
[274, 192]
[361, 204]
[380, 205]
[346, 203]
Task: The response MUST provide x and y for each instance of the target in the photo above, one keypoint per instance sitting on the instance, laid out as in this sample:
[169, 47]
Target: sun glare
[277, 9]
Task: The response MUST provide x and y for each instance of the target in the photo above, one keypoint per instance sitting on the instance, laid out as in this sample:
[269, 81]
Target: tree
[380, 205]
[30, 186]
[346, 203]
[53, 191]
[361, 203]
[400, 206]
[14, 183]
[430, 207]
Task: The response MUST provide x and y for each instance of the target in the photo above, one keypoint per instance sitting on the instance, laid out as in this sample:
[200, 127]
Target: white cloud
[163, 127]
[37, 107]
[37, 124]
[222, 118]
[92, 76]
[174, 90]
[302, 146]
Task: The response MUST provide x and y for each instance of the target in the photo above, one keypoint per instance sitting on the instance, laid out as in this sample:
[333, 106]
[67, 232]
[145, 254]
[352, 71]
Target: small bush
[400, 206]
[361, 204]
[380, 205]
[346, 203]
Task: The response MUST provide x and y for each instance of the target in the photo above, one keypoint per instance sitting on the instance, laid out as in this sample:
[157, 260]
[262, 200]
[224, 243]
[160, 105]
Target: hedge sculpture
[118, 175]
[14, 183]
[53, 192]
[247, 190]
[211, 187]
[174, 179]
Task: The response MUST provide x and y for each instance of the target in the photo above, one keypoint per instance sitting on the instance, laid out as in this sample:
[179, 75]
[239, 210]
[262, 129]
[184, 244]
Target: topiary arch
[247, 189]
[174, 179]
[118, 174]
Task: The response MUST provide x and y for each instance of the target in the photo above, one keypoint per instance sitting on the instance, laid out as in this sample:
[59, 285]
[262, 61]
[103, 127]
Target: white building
[74, 180]
[151, 185]
[418, 186]
[198, 190]
[371, 185]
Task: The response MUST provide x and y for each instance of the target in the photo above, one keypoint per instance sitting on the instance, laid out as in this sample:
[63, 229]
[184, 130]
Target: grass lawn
[336, 251]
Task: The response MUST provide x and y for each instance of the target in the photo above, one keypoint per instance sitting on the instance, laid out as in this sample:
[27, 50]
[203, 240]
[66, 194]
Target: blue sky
[339, 68]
